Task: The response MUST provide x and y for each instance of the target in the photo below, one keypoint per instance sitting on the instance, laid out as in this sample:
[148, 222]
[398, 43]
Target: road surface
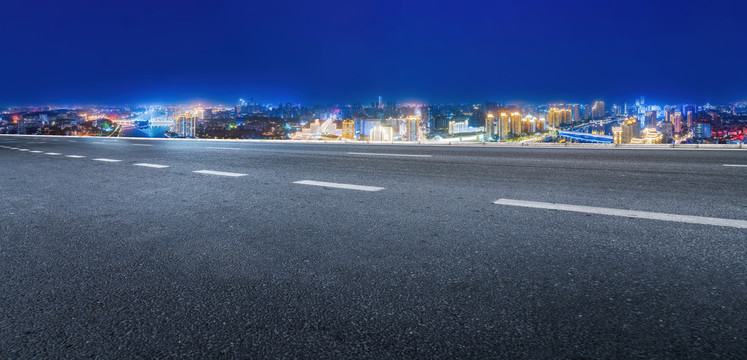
[123, 248]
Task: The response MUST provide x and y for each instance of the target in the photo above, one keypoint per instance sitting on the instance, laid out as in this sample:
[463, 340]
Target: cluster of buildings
[391, 121]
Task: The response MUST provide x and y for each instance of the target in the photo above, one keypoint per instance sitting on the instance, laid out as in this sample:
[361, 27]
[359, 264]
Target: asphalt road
[116, 260]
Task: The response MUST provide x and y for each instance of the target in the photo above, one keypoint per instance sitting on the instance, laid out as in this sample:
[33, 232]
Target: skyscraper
[516, 123]
[689, 119]
[651, 119]
[677, 121]
[348, 129]
[382, 133]
[490, 125]
[598, 111]
[502, 126]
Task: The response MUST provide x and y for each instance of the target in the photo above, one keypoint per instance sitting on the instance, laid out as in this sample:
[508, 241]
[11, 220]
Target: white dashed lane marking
[742, 224]
[156, 166]
[339, 186]
[219, 173]
[735, 165]
[75, 156]
[107, 160]
[52, 154]
[142, 144]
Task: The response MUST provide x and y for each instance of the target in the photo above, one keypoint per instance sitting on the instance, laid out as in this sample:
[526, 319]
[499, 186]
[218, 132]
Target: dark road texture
[144, 257]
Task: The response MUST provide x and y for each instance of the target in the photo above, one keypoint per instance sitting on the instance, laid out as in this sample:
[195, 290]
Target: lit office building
[382, 133]
[348, 129]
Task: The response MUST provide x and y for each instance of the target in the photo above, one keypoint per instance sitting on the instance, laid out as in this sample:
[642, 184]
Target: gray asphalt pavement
[116, 260]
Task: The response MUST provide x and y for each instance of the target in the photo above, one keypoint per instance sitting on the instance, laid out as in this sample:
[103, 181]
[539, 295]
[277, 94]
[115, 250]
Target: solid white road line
[742, 224]
[339, 186]
[735, 165]
[142, 144]
[379, 154]
[75, 156]
[52, 154]
[220, 173]
[107, 160]
[221, 148]
[151, 165]
[37, 151]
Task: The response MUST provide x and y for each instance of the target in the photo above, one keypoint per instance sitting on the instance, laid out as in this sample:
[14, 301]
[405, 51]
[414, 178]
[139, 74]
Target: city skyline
[537, 51]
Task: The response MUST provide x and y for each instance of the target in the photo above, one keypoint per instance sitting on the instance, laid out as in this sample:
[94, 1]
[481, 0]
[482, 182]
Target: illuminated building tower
[426, 120]
[667, 129]
[490, 125]
[597, 111]
[552, 117]
[689, 119]
[651, 119]
[668, 115]
[515, 123]
[541, 124]
[557, 117]
[414, 132]
[502, 126]
[185, 125]
[458, 127]
[348, 129]
[575, 114]
[677, 121]
[627, 130]
[382, 133]
[701, 130]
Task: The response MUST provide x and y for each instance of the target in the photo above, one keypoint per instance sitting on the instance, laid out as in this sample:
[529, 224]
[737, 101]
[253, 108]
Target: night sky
[118, 52]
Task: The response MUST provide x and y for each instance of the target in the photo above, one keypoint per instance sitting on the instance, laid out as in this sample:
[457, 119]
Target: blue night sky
[120, 52]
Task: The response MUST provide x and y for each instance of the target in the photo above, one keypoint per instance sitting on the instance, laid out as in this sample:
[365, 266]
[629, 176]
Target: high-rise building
[651, 119]
[557, 117]
[627, 130]
[184, 125]
[702, 130]
[414, 131]
[677, 121]
[516, 123]
[576, 115]
[348, 129]
[458, 127]
[597, 110]
[382, 133]
[689, 119]
[490, 125]
[502, 126]
[667, 130]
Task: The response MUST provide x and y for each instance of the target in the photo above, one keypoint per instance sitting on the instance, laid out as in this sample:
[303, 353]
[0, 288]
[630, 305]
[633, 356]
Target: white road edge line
[380, 154]
[339, 186]
[735, 165]
[107, 160]
[220, 173]
[52, 154]
[741, 224]
[156, 166]
[75, 156]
